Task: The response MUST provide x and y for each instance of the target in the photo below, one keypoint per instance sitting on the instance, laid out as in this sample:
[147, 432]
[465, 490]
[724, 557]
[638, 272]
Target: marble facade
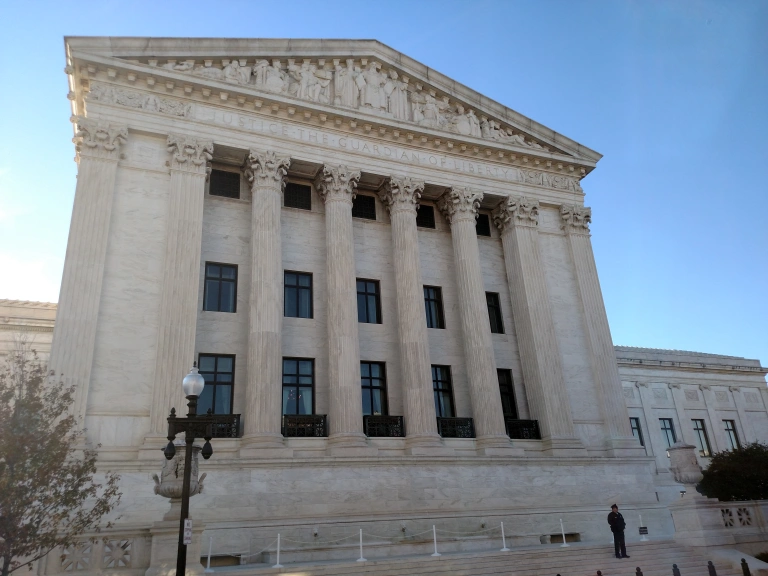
[152, 117]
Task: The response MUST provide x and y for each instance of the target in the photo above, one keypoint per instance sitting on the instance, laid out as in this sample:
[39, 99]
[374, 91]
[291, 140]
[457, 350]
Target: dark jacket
[616, 520]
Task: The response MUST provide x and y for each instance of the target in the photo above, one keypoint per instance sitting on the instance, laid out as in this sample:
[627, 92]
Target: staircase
[655, 558]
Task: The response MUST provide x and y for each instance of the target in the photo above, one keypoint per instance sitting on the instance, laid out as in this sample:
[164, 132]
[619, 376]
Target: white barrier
[361, 559]
[278, 565]
[434, 538]
[562, 530]
[503, 540]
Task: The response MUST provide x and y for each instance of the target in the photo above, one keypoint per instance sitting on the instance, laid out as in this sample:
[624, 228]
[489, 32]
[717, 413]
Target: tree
[48, 496]
[740, 474]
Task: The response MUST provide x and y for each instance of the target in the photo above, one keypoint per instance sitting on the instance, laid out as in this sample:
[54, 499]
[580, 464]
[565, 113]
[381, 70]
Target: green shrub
[762, 556]
[740, 474]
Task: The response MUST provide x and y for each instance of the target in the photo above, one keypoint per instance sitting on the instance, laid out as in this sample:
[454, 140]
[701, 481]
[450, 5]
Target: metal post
[208, 567]
[361, 559]
[711, 569]
[562, 530]
[644, 538]
[278, 565]
[434, 538]
[745, 568]
[675, 571]
[503, 539]
[181, 556]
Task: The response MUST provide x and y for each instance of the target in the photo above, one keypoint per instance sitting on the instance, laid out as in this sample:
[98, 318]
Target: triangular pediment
[379, 87]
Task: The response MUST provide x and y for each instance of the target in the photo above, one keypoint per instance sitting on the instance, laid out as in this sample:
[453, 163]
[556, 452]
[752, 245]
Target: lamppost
[193, 426]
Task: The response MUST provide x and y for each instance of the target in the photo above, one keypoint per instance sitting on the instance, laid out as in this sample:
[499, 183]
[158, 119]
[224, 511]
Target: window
[730, 432]
[368, 302]
[298, 196]
[425, 217]
[668, 431]
[433, 303]
[225, 184]
[219, 374]
[441, 385]
[298, 295]
[483, 225]
[702, 440]
[220, 293]
[374, 382]
[508, 404]
[637, 431]
[298, 386]
[364, 207]
[494, 313]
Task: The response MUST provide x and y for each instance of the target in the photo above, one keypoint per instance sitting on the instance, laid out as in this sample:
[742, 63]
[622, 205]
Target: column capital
[190, 154]
[266, 169]
[401, 193]
[575, 219]
[337, 183]
[516, 211]
[98, 139]
[460, 203]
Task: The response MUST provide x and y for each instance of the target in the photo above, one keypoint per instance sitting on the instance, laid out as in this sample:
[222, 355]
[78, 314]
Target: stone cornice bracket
[98, 139]
[401, 193]
[575, 219]
[674, 385]
[459, 203]
[337, 183]
[516, 211]
[703, 387]
[641, 384]
[190, 154]
[734, 388]
[266, 169]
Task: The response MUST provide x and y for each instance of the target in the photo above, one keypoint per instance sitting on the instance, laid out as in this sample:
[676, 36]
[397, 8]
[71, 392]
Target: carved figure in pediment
[259, 73]
[323, 82]
[346, 89]
[461, 122]
[210, 72]
[185, 66]
[397, 94]
[474, 124]
[276, 80]
[237, 74]
[372, 93]
[150, 103]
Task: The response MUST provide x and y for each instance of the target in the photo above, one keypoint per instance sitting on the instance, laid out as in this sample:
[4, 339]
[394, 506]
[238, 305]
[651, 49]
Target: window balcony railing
[522, 429]
[384, 426]
[305, 426]
[456, 427]
[226, 426]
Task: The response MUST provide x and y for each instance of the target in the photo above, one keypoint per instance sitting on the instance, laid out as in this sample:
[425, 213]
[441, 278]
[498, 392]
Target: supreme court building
[387, 280]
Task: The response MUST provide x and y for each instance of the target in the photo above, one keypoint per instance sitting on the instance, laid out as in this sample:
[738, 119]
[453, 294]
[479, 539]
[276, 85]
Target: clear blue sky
[674, 94]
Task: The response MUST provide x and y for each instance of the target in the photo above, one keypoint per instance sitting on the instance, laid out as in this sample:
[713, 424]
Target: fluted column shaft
[263, 398]
[401, 196]
[181, 275]
[575, 223]
[74, 336]
[518, 220]
[459, 206]
[337, 186]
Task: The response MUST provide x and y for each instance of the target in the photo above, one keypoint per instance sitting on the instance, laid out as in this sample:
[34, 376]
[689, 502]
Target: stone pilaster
[181, 275]
[459, 206]
[717, 437]
[747, 432]
[686, 425]
[518, 221]
[263, 400]
[575, 222]
[337, 185]
[74, 336]
[401, 197]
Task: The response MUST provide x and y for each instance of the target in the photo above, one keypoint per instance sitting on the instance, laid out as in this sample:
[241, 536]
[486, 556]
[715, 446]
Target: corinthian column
[181, 275]
[337, 186]
[459, 206]
[518, 220]
[263, 395]
[98, 150]
[401, 197]
[619, 440]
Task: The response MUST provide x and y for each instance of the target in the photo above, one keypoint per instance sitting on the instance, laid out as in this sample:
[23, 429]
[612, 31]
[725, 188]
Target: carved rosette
[459, 203]
[266, 169]
[337, 183]
[190, 154]
[575, 219]
[402, 193]
[516, 211]
[98, 139]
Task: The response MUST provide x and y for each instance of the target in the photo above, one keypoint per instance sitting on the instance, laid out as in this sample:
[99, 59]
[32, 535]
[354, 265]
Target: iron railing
[226, 426]
[456, 427]
[305, 426]
[384, 426]
[522, 429]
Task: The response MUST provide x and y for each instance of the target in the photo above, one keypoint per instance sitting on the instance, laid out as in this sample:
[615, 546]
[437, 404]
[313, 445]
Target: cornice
[696, 366]
[28, 304]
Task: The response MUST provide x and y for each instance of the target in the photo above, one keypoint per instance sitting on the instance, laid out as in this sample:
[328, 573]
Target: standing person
[616, 521]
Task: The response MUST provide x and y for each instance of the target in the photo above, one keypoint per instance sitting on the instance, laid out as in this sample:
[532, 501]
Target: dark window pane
[425, 217]
[441, 384]
[207, 363]
[433, 304]
[223, 400]
[290, 279]
[367, 409]
[372, 315]
[483, 225]
[305, 280]
[225, 184]
[291, 302]
[219, 376]
[494, 313]
[211, 295]
[228, 272]
[224, 364]
[227, 297]
[377, 403]
[289, 400]
[368, 303]
[364, 207]
[213, 271]
[298, 196]
[305, 367]
[373, 385]
[305, 401]
[305, 304]
[206, 399]
[220, 288]
[362, 314]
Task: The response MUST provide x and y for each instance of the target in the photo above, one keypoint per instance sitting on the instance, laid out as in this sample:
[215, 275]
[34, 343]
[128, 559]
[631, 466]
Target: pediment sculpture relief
[356, 84]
